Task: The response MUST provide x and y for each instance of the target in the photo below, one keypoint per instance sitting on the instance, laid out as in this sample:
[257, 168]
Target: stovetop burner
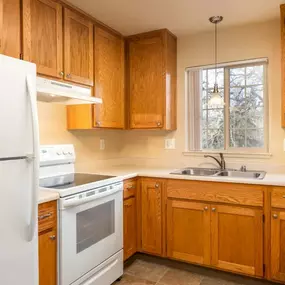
[71, 180]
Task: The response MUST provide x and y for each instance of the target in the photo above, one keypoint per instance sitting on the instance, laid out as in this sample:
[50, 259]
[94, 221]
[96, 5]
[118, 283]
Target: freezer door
[15, 107]
[18, 252]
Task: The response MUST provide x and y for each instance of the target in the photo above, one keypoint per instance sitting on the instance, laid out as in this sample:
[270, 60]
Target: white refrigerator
[19, 167]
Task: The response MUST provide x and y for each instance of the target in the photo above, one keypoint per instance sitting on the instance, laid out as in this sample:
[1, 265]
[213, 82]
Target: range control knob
[59, 153]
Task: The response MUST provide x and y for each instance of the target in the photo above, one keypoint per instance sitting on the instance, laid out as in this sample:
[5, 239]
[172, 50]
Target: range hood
[51, 91]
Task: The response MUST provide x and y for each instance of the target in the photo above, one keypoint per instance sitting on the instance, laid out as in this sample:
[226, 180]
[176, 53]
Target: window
[238, 125]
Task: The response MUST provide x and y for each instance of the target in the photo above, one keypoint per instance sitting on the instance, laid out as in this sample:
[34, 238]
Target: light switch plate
[102, 144]
[169, 144]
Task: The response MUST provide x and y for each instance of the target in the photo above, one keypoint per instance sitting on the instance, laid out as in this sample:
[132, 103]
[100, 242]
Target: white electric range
[90, 219]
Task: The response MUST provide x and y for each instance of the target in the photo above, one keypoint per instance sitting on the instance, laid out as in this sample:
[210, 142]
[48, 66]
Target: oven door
[90, 233]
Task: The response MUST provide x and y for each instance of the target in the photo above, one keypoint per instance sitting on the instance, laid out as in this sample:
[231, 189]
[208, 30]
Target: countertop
[47, 196]
[127, 172]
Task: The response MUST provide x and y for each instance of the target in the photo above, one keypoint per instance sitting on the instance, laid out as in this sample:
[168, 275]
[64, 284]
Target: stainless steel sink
[192, 171]
[242, 174]
[197, 171]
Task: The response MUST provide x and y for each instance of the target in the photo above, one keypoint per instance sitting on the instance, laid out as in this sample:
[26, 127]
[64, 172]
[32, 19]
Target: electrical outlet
[169, 144]
[102, 144]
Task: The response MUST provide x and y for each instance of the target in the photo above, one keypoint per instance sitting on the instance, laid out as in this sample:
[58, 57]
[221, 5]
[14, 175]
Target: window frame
[192, 113]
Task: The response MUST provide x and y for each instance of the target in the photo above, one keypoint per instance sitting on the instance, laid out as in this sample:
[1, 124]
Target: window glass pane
[243, 113]
[237, 76]
[254, 138]
[237, 138]
[254, 75]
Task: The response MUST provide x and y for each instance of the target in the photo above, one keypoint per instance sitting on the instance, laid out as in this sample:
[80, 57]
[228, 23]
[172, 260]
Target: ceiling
[179, 16]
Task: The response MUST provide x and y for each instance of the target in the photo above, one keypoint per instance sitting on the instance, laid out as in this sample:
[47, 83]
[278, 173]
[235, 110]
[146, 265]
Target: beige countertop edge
[47, 196]
[269, 180]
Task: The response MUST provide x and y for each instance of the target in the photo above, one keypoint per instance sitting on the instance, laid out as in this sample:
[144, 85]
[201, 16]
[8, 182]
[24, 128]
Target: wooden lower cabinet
[237, 239]
[130, 229]
[47, 258]
[47, 220]
[278, 245]
[188, 231]
[151, 216]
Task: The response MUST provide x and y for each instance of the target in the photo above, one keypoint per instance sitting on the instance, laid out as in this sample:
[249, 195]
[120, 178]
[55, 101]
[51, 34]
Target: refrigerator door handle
[33, 158]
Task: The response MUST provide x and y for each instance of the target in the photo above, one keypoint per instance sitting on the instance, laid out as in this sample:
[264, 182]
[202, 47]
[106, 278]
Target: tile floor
[146, 270]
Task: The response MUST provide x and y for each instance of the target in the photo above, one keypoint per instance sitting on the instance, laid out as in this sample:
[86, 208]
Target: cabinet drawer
[47, 216]
[130, 188]
[278, 197]
[230, 193]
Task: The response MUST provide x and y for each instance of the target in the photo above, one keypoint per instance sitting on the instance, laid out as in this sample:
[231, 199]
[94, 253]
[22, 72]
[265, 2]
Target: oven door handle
[76, 201]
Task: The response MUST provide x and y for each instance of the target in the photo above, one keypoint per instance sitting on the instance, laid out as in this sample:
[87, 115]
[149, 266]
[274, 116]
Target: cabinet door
[278, 245]
[47, 258]
[237, 239]
[10, 38]
[78, 48]
[43, 36]
[130, 237]
[109, 80]
[147, 84]
[151, 217]
[188, 231]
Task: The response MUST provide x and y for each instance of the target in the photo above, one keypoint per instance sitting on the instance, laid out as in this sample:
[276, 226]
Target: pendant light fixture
[216, 99]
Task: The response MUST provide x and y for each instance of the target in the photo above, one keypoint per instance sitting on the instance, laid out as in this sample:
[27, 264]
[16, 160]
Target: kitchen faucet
[221, 163]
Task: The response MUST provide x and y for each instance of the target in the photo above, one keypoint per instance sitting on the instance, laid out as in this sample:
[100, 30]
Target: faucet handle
[243, 168]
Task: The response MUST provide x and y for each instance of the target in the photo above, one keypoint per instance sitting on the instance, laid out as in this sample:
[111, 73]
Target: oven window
[94, 224]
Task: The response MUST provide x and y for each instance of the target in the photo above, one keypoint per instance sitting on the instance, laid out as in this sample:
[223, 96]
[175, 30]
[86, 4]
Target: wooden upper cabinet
[78, 48]
[151, 59]
[130, 229]
[278, 245]
[151, 216]
[109, 80]
[237, 239]
[43, 36]
[282, 17]
[188, 231]
[10, 26]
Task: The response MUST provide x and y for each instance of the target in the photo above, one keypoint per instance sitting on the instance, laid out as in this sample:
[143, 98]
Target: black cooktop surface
[71, 180]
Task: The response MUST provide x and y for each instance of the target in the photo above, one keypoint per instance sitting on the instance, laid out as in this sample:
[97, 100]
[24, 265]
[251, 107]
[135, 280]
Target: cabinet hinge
[264, 268]
[21, 56]
[263, 218]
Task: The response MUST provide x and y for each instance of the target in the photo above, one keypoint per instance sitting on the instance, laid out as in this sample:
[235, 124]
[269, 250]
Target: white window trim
[232, 152]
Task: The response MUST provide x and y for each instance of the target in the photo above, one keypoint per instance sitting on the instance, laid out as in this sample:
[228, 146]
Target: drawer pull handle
[275, 216]
[52, 237]
[131, 187]
[45, 216]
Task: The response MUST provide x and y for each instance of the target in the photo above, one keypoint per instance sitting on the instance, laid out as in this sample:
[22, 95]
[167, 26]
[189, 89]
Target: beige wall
[52, 121]
[147, 147]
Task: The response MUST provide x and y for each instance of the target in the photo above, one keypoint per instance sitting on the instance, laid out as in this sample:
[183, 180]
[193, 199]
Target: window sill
[230, 154]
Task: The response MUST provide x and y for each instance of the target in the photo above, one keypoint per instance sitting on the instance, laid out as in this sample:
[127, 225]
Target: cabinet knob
[158, 124]
[61, 73]
[284, 196]
[98, 124]
[156, 185]
[68, 75]
[52, 237]
[206, 208]
[275, 216]
[213, 209]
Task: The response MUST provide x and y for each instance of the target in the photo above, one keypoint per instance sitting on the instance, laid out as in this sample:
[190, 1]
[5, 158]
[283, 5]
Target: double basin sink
[220, 173]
